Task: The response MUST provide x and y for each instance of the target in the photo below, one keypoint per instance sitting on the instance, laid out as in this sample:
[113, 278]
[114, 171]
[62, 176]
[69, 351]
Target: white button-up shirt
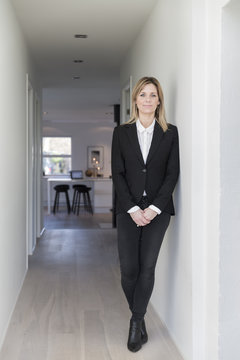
[145, 139]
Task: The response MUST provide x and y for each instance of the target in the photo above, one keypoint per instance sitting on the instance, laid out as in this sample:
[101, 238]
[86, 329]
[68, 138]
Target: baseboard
[156, 318]
[11, 313]
[37, 240]
[40, 236]
[42, 232]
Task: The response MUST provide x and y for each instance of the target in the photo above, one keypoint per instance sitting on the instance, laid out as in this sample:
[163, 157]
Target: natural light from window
[57, 155]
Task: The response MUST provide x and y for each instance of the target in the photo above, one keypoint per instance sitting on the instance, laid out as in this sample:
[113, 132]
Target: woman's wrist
[133, 209]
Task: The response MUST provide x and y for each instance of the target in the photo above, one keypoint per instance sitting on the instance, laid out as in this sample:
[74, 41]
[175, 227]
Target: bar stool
[76, 204]
[61, 189]
[75, 194]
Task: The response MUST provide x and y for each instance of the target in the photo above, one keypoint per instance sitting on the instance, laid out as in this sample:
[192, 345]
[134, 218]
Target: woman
[145, 169]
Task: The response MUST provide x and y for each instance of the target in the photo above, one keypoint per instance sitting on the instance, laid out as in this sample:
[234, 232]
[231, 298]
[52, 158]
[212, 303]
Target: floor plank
[72, 307]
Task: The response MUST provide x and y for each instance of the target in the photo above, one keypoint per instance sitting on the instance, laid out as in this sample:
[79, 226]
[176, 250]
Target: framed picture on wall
[95, 157]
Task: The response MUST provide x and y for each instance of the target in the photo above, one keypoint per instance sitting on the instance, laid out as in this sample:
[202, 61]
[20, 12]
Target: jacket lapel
[156, 140]
[133, 138]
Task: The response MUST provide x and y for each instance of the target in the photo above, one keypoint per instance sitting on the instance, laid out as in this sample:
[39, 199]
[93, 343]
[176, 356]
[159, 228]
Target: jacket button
[144, 170]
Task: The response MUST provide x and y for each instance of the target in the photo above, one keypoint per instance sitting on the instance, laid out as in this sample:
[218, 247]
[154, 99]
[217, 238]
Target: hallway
[64, 66]
[71, 306]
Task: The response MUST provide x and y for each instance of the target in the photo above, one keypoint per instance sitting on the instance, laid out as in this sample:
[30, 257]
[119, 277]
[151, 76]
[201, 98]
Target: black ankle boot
[135, 336]
[144, 334]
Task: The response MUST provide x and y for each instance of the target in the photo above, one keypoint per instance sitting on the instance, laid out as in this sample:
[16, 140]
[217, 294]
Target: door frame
[33, 165]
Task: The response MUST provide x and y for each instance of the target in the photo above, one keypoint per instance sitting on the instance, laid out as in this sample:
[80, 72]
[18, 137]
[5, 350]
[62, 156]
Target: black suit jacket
[157, 177]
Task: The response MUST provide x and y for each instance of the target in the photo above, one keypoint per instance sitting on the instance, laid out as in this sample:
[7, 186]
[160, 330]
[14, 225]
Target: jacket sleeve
[118, 174]
[171, 176]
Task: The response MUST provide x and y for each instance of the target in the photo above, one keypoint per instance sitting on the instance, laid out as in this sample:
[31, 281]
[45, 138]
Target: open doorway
[76, 151]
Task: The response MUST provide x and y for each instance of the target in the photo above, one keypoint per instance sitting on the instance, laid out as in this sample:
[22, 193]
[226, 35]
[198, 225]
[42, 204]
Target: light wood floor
[71, 306]
[85, 220]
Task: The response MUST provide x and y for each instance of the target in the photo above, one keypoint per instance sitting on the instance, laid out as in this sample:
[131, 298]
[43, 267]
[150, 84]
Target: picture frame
[95, 157]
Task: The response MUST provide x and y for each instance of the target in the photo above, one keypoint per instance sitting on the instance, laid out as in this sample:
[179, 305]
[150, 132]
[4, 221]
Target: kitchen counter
[101, 190]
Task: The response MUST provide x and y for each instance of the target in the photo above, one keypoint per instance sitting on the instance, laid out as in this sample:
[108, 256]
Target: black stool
[61, 189]
[76, 204]
[76, 187]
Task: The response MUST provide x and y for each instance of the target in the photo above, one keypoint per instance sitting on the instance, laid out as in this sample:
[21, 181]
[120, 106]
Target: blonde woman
[145, 169]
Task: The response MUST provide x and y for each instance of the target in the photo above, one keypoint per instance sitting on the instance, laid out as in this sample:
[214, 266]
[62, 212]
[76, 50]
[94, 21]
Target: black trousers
[138, 249]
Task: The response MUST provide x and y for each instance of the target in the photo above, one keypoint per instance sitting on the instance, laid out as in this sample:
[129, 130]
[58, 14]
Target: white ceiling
[49, 27]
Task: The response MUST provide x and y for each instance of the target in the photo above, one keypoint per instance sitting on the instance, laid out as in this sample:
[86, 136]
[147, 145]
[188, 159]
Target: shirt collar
[141, 128]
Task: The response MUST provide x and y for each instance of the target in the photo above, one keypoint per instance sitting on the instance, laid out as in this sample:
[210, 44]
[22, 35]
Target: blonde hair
[160, 110]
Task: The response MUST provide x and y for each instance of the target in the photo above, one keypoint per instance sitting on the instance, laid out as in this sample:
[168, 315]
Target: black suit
[139, 246]
[157, 177]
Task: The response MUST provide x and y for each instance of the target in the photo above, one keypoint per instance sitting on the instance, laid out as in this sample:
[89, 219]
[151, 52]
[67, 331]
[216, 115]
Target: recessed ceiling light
[77, 61]
[76, 77]
[80, 36]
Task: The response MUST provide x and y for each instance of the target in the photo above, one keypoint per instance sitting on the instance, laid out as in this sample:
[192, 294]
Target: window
[57, 155]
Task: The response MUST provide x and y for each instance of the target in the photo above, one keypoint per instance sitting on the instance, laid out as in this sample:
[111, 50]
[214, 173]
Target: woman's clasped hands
[143, 217]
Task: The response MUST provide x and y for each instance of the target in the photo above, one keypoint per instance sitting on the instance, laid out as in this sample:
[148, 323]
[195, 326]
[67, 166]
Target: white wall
[181, 45]
[163, 50]
[206, 74]
[14, 64]
[229, 320]
[84, 135]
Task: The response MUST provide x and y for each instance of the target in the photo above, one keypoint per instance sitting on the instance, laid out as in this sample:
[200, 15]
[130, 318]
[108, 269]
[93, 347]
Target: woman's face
[147, 100]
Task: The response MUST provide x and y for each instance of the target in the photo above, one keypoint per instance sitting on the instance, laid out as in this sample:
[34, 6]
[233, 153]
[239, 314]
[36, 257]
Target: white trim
[38, 156]
[126, 91]
[154, 317]
[199, 39]
[2, 339]
[42, 232]
[30, 167]
[27, 169]
[206, 79]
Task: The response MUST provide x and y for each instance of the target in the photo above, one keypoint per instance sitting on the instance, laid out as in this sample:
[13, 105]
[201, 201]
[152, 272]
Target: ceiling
[49, 27]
